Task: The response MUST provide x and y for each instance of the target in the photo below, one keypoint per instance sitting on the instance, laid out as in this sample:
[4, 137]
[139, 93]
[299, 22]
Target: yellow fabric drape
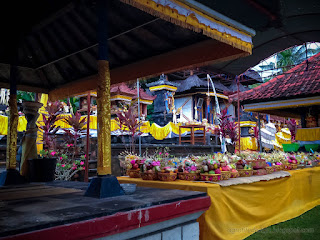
[145, 128]
[238, 211]
[247, 124]
[308, 134]
[44, 101]
[161, 133]
[22, 124]
[62, 124]
[248, 143]
[192, 22]
[155, 130]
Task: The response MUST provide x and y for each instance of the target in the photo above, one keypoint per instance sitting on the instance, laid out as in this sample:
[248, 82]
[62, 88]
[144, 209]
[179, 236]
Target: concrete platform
[29, 209]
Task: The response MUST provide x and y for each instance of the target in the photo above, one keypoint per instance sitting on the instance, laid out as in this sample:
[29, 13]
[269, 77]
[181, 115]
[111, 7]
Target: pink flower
[160, 153]
[85, 155]
[81, 163]
[63, 165]
[193, 168]
[74, 168]
[53, 153]
[156, 163]
[133, 162]
[167, 154]
[60, 158]
[84, 168]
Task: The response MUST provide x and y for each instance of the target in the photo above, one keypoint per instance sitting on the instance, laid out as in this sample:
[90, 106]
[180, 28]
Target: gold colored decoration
[192, 22]
[163, 87]
[11, 161]
[104, 118]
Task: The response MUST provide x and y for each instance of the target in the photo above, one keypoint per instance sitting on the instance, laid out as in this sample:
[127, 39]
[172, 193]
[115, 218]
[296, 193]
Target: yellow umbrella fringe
[213, 33]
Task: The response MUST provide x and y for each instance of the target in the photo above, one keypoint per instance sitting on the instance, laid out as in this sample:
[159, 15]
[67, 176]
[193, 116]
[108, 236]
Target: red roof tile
[121, 88]
[145, 96]
[300, 81]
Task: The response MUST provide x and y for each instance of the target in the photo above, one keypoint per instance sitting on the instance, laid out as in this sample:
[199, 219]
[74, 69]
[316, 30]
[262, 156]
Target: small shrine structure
[164, 103]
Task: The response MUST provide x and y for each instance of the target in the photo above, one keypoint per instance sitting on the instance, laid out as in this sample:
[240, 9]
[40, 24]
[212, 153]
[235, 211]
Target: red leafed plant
[128, 120]
[76, 130]
[292, 125]
[232, 131]
[227, 128]
[52, 115]
[256, 135]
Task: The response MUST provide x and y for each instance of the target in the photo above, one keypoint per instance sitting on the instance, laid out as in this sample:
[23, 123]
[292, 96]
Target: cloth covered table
[240, 210]
[248, 143]
[308, 134]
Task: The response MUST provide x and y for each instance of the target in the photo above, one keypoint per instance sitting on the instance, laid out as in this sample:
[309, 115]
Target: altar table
[240, 210]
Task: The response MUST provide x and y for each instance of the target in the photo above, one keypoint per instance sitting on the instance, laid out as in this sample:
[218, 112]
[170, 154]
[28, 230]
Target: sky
[272, 59]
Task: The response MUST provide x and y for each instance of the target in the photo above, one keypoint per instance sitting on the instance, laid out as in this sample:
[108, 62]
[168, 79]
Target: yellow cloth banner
[308, 134]
[155, 130]
[22, 124]
[44, 101]
[248, 143]
[238, 211]
[145, 128]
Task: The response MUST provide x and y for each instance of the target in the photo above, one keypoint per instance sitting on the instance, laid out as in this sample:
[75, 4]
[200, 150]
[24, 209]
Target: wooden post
[11, 161]
[86, 171]
[103, 94]
[139, 113]
[259, 124]
[239, 129]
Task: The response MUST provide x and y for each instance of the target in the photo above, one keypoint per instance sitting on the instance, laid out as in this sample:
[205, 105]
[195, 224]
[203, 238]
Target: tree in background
[25, 96]
[290, 57]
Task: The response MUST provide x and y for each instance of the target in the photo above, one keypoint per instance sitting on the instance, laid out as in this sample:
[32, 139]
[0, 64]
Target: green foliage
[74, 102]
[25, 96]
[150, 109]
[293, 56]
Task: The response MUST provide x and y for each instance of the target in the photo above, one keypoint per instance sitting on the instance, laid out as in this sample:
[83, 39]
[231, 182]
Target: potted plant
[42, 169]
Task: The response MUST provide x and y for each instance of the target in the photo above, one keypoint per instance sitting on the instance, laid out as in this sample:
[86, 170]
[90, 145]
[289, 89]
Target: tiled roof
[121, 88]
[301, 81]
[145, 96]
[194, 82]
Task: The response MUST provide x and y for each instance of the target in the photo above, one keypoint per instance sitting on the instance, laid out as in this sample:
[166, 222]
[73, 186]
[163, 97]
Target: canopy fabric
[238, 211]
[185, 16]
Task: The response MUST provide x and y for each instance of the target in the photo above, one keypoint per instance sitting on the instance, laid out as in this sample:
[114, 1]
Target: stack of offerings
[284, 136]
[268, 136]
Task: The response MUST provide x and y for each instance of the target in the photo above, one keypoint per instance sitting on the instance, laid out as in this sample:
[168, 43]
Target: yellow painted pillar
[104, 118]
[11, 160]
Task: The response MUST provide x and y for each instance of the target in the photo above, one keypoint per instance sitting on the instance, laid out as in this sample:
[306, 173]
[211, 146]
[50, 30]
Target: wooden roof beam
[203, 53]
